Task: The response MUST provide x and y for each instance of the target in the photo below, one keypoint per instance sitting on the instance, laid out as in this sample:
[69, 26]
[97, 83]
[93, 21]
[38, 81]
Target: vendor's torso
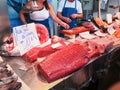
[39, 15]
[69, 4]
[69, 9]
[112, 10]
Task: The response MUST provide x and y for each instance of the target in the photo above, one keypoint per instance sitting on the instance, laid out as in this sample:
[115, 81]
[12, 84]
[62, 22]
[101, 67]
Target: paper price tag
[87, 35]
[111, 30]
[56, 45]
[25, 38]
[98, 33]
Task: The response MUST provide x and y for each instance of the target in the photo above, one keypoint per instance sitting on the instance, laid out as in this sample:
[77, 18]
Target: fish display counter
[69, 62]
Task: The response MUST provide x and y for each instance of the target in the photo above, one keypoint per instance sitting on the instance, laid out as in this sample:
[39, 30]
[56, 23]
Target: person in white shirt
[39, 11]
[68, 11]
[113, 6]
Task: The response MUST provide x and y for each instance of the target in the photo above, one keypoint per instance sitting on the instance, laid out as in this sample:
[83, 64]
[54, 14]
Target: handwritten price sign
[25, 37]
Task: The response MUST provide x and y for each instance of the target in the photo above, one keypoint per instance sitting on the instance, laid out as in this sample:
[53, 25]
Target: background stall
[4, 22]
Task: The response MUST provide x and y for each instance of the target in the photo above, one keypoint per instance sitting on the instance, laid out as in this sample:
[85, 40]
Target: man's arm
[114, 6]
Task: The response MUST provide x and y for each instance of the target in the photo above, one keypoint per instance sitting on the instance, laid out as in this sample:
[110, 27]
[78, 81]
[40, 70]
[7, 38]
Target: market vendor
[39, 11]
[113, 6]
[69, 11]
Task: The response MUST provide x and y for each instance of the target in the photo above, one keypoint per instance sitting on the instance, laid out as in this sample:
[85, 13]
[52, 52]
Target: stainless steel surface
[4, 21]
[29, 74]
[81, 78]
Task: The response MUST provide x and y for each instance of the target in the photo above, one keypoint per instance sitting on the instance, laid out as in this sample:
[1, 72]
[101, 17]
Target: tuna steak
[63, 62]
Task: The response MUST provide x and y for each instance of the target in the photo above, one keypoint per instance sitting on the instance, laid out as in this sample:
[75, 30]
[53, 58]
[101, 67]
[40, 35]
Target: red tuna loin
[31, 55]
[42, 32]
[47, 50]
[63, 62]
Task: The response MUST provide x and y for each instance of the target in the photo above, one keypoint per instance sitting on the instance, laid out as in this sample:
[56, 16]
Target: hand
[114, 6]
[117, 15]
[73, 16]
[25, 24]
[66, 26]
[67, 20]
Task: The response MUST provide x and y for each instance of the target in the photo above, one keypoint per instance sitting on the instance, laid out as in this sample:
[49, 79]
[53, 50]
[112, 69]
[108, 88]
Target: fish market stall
[96, 53]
